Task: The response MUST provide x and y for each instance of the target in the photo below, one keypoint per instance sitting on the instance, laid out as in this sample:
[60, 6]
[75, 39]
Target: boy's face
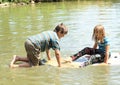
[60, 35]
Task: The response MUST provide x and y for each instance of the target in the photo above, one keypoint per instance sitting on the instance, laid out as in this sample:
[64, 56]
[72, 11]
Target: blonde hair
[98, 33]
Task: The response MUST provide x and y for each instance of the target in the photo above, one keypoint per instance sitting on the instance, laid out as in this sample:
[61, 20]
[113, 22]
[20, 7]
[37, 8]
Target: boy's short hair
[62, 28]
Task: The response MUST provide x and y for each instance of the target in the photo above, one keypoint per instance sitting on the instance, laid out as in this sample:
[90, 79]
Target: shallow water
[17, 23]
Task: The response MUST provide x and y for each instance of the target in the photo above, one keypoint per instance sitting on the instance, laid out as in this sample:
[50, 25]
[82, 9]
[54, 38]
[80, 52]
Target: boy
[40, 43]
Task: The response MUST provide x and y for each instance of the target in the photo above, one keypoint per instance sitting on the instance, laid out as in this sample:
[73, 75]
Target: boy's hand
[59, 65]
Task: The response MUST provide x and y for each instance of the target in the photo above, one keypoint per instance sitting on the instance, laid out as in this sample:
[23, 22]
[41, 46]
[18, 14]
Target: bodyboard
[84, 61]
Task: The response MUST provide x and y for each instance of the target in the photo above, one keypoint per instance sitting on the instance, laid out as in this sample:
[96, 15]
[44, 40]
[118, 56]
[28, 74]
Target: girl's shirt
[45, 40]
[104, 44]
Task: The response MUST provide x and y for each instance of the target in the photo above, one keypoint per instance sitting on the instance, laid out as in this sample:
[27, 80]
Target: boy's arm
[58, 56]
[106, 54]
[48, 54]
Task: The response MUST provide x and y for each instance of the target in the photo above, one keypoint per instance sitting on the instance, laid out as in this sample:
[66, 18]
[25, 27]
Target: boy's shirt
[45, 40]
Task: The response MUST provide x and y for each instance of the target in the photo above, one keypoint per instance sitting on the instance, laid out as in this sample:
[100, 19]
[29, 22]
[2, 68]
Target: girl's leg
[95, 58]
[87, 50]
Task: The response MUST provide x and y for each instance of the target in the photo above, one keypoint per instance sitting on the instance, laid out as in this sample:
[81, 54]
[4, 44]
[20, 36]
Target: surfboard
[84, 61]
[53, 62]
[113, 60]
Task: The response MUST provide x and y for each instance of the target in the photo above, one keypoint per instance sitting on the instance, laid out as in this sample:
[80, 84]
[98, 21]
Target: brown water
[17, 23]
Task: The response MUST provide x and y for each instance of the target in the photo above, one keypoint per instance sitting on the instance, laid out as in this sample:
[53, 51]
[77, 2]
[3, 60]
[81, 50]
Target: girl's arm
[48, 54]
[95, 46]
[106, 54]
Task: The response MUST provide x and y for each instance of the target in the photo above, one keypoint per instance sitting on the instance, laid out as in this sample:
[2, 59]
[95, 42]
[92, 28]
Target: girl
[101, 46]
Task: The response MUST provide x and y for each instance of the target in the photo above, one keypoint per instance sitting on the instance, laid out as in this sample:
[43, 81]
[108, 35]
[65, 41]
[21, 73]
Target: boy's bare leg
[24, 64]
[16, 58]
[19, 58]
[13, 60]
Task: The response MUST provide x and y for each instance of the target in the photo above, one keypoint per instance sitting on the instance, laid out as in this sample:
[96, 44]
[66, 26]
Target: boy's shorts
[32, 53]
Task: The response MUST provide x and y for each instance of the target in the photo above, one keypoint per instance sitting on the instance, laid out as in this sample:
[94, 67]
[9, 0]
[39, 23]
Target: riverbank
[4, 4]
[7, 4]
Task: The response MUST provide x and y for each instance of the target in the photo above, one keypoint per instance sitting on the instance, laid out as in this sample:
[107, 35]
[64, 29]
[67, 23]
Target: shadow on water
[49, 75]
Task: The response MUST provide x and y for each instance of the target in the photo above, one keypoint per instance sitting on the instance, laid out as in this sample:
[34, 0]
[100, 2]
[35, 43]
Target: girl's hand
[104, 63]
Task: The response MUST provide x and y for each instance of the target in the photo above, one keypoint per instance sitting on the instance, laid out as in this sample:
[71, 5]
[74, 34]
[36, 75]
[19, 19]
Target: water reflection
[100, 76]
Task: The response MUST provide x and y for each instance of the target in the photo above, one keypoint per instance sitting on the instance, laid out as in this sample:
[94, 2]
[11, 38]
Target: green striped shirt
[45, 40]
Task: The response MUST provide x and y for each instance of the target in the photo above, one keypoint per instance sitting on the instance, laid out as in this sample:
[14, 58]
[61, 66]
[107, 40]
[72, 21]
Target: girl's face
[99, 32]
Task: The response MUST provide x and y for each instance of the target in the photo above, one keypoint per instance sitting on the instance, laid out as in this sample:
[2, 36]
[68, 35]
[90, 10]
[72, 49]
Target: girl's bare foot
[68, 60]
